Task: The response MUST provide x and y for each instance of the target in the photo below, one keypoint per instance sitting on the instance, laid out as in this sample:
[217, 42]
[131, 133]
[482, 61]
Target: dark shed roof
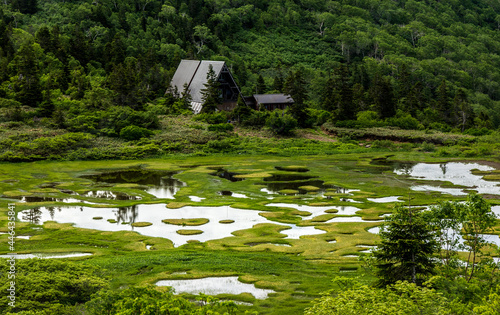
[273, 98]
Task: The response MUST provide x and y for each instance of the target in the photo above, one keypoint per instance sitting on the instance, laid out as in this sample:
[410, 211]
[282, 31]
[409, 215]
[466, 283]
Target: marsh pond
[323, 209]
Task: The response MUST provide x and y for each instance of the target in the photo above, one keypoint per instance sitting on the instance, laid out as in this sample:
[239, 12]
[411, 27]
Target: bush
[221, 127]
[428, 147]
[134, 133]
[318, 116]
[212, 118]
[224, 145]
[405, 122]
[281, 124]
[368, 118]
[256, 119]
[477, 132]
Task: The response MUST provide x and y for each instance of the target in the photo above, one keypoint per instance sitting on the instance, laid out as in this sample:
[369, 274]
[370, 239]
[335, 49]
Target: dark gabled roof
[273, 98]
[194, 74]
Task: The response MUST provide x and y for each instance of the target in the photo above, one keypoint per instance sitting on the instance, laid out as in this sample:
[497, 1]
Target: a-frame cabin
[193, 74]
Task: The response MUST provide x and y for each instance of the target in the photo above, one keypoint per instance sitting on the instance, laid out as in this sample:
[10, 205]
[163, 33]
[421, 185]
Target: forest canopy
[76, 64]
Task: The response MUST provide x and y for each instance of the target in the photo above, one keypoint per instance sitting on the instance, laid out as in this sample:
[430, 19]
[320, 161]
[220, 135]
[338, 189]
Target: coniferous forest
[82, 69]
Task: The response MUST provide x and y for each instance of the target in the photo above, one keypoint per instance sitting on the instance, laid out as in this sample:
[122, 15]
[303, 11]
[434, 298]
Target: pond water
[457, 173]
[295, 232]
[496, 210]
[385, 199]
[214, 286]
[122, 218]
[157, 183]
[195, 198]
[223, 173]
[110, 195]
[232, 194]
[317, 210]
[47, 255]
[350, 219]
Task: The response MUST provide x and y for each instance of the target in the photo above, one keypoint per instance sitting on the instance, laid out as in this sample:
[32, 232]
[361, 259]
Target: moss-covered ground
[298, 272]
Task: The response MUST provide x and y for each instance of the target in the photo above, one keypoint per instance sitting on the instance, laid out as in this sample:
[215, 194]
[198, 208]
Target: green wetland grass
[297, 269]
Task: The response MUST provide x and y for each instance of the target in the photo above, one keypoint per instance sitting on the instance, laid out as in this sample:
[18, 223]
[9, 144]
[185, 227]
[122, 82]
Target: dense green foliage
[49, 286]
[68, 64]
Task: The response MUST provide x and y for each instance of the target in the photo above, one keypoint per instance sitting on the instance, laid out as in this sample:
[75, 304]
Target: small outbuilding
[269, 101]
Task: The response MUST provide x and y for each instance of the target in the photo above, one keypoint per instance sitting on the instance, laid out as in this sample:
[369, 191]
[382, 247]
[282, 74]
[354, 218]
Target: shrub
[318, 116]
[221, 127]
[368, 119]
[224, 145]
[256, 119]
[440, 127]
[134, 133]
[212, 118]
[428, 147]
[405, 122]
[281, 124]
[477, 132]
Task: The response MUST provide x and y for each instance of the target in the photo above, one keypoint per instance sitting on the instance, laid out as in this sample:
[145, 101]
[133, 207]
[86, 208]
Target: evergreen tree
[25, 6]
[383, 96]
[443, 105]
[295, 86]
[345, 108]
[27, 81]
[406, 248]
[278, 83]
[260, 88]
[242, 111]
[211, 93]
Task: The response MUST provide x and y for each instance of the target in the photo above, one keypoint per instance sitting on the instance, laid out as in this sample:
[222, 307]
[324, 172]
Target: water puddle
[496, 210]
[385, 199]
[276, 244]
[109, 195]
[159, 183]
[223, 173]
[232, 194]
[295, 232]
[22, 237]
[47, 255]
[350, 219]
[317, 210]
[196, 199]
[299, 169]
[374, 230]
[457, 173]
[214, 286]
[451, 191]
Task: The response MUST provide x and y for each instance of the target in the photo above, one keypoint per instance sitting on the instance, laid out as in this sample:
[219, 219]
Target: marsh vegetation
[333, 228]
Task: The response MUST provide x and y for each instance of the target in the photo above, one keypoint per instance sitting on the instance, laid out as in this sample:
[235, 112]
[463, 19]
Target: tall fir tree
[383, 96]
[406, 248]
[211, 92]
[444, 104]
[345, 108]
[295, 86]
[260, 87]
